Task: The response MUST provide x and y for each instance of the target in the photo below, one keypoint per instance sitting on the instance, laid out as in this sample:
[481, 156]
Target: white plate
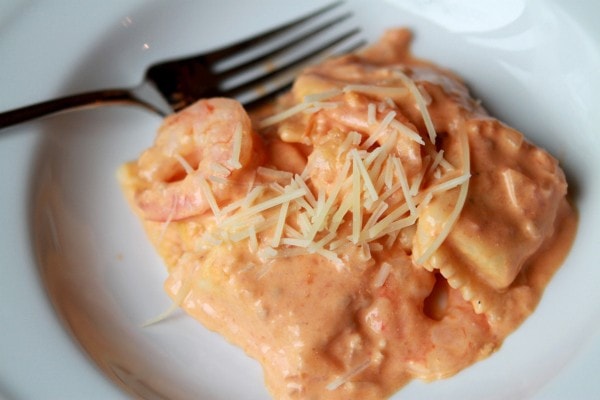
[533, 63]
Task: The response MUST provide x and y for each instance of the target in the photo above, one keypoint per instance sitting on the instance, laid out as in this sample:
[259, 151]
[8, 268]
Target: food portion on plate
[372, 226]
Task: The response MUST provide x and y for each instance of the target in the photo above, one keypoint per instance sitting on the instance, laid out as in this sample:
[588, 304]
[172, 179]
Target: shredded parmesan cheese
[353, 139]
[348, 375]
[313, 106]
[280, 224]
[208, 195]
[405, 130]
[371, 114]
[162, 316]
[462, 196]
[421, 103]
[356, 206]
[311, 98]
[186, 166]
[165, 225]
[403, 184]
[390, 102]
[382, 274]
[219, 169]
[256, 209]
[234, 161]
[275, 174]
[383, 125]
[364, 174]
[377, 90]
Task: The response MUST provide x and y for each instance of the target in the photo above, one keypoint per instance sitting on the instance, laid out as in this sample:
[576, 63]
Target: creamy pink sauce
[325, 332]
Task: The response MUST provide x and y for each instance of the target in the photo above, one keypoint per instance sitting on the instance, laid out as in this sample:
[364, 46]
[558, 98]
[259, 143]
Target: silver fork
[272, 60]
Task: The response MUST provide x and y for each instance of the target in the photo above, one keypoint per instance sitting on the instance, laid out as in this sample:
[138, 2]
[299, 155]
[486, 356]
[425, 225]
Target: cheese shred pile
[371, 195]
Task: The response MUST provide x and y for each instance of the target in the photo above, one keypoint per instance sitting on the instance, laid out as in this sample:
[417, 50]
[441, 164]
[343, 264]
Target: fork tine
[257, 90]
[217, 55]
[283, 48]
[264, 94]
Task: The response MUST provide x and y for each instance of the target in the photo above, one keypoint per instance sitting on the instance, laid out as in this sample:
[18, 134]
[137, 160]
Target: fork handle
[27, 113]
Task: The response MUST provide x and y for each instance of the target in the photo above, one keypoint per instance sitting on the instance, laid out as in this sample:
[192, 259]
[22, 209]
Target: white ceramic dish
[533, 63]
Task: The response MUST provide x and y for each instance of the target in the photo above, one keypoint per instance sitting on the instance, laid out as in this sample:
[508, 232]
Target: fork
[272, 60]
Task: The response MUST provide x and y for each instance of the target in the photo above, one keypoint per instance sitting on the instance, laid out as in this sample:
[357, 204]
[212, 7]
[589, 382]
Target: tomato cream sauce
[383, 230]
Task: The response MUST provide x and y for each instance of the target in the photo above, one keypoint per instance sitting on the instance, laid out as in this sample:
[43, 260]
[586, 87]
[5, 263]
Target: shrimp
[191, 146]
